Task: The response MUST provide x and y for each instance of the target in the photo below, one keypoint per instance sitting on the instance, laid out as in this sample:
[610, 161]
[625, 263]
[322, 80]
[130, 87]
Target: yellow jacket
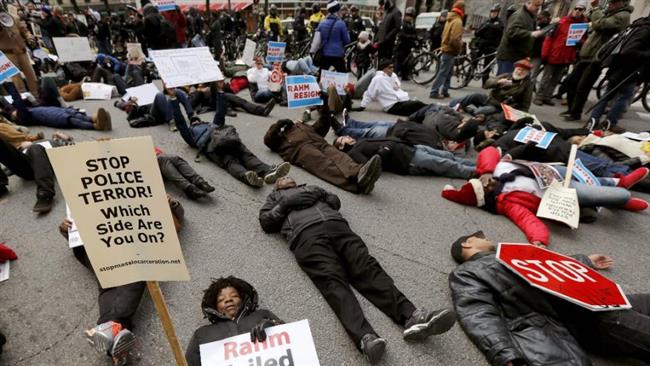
[314, 20]
[270, 20]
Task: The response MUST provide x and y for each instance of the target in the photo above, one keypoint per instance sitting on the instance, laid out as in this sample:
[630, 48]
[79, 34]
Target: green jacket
[518, 95]
[604, 25]
[517, 42]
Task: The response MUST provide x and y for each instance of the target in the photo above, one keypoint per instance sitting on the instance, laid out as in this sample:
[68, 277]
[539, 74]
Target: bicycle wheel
[425, 68]
[462, 73]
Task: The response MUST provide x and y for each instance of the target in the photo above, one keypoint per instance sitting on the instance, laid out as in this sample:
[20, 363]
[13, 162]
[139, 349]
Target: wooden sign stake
[166, 320]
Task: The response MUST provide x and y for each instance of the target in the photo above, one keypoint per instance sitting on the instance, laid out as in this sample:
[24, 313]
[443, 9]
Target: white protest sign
[186, 66]
[4, 271]
[302, 91]
[72, 49]
[275, 52]
[144, 94]
[249, 52]
[576, 32]
[74, 238]
[337, 79]
[97, 91]
[560, 202]
[286, 345]
[164, 5]
[134, 49]
[116, 192]
[7, 68]
[36, 30]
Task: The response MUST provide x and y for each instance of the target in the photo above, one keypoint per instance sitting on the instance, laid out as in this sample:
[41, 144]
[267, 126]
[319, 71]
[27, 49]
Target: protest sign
[276, 78]
[275, 52]
[584, 175]
[286, 345]
[544, 174]
[541, 138]
[302, 91]
[642, 136]
[249, 52]
[514, 115]
[36, 30]
[186, 66]
[74, 238]
[72, 49]
[337, 79]
[134, 49]
[97, 91]
[143, 94]
[562, 276]
[560, 202]
[4, 271]
[576, 32]
[116, 194]
[7, 68]
[164, 5]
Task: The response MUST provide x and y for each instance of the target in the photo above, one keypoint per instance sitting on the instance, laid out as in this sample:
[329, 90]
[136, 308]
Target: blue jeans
[479, 100]
[505, 67]
[443, 79]
[364, 130]
[601, 167]
[623, 98]
[161, 109]
[430, 161]
[605, 195]
[263, 96]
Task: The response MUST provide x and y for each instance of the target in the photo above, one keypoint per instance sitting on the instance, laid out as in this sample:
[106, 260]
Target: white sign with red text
[286, 345]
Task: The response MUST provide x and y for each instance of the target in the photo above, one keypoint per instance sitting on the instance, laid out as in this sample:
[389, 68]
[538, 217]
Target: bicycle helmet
[273, 10]
[496, 7]
[409, 11]
[353, 8]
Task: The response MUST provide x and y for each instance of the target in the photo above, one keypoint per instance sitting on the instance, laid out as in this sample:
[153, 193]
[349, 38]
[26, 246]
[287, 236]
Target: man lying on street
[159, 112]
[336, 259]
[117, 305]
[232, 307]
[511, 190]
[33, 164]
[513, 323]
[305, 146]
[179, 172]
[203, 101]
[221, 144]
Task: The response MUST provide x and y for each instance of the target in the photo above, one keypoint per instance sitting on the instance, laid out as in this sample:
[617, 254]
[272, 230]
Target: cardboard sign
[560, 202]
[285, 345]
[576, 32]
[302, 91]
[275, 52]
[164, 5]
[337, 79]
[133, 49]
[7, 68]
[145, 94]
[74, 238]
[249, 52]
[36, 30]
[562, 276]
[72, 49]
[116, 194]
[544, 174]
[186, 66]
[97, 91]
[541, 138]
[514, 115]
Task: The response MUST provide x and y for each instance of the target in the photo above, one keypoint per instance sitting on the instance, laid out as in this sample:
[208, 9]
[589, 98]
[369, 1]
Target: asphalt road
[50, 298]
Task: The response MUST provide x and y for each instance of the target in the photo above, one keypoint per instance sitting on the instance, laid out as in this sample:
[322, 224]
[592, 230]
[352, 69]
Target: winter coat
[178, 20]
[222, 327]
[557, 151]
[452, 35]
[406, 40]
[47, 116]
[518, 95]
[54, 26]
[363, 54]
[292, 210]
[389, 26]
[223, 139]
[415, 134]
[435, 34]
[517, 42]
[396, 155]
[446, 122]
[333, 42]
[554, 50]
[509, 320]
[12, 40]
[604, 25]
[634, 54]
[488, 35]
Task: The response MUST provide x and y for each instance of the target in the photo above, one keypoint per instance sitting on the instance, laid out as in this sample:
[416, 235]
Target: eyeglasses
[579, 9]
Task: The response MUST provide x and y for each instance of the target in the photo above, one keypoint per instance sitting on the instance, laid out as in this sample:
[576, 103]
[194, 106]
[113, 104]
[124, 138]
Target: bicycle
[424, 67]
[465, 69]
[640, 93]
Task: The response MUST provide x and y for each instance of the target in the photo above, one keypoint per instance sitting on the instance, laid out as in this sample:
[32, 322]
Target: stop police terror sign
[562, 276]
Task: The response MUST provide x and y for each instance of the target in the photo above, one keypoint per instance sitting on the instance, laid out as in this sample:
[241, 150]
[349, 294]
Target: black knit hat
[384, 63]
[457, 246]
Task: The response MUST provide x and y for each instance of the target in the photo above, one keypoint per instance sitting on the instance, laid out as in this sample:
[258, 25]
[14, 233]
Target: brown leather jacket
[12, 40]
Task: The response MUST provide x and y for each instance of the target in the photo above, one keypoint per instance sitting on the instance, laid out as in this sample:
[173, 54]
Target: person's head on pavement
[285, 183]
[522, 69]
[467, 246]
[387, 66]
[344, 143]
[226, 297]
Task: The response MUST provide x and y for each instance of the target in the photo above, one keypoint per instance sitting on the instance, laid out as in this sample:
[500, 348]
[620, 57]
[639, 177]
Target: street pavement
[51, 298]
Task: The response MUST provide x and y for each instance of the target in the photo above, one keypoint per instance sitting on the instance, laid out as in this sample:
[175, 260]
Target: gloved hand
[258, 333]
[357, 109]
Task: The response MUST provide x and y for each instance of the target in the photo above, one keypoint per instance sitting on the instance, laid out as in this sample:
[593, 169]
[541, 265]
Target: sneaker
[253, 179]
[605, 125]
[102, 336]
[276, 172]
[122, 344]
[424, 323]
[43, 204]
[446, 95]
[268, 107]
[205, 186]
[571, 118]
[346, 116]
[373, 347]
[306, 115]
[591, 124]
[193, 192]
[635, 205]
[637, 175]
[102, 120]
[368, 174]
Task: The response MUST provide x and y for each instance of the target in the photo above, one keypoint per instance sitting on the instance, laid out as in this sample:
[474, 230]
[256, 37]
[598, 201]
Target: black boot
[205, 186]
[193, 193]
[43, 204]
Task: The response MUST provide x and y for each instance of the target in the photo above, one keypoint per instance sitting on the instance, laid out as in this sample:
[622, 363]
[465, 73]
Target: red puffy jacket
[554, 49]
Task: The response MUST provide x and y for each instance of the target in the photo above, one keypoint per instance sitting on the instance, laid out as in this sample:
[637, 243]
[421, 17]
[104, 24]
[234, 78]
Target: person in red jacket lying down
[511, 190]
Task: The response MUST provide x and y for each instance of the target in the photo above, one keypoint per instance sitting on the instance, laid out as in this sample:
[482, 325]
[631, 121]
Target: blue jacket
[116, 65]
[333, 43]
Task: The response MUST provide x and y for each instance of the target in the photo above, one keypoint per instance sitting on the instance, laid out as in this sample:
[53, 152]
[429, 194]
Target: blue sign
[7, 68]
[275, 52]
[576, 32]
[302, 91]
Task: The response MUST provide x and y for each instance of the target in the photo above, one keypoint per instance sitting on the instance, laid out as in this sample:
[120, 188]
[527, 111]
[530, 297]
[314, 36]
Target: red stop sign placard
[562, 276]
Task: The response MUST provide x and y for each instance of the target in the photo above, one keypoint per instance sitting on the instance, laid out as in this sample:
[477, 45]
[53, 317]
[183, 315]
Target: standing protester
[194, 23]
[556, 55]
[435, 33]
[543, 20]
[330, 38]
[356, 23]
[215, 38]
[103, 35]
[603, 25]
[451, 46]
[299, 27]
[487, 38]
[14, 40]
[315, 18]
[336, 259]
[273, 25]
[177, 19]
[363, 53]
[388, 28]
[406, 41]
[517, 41]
